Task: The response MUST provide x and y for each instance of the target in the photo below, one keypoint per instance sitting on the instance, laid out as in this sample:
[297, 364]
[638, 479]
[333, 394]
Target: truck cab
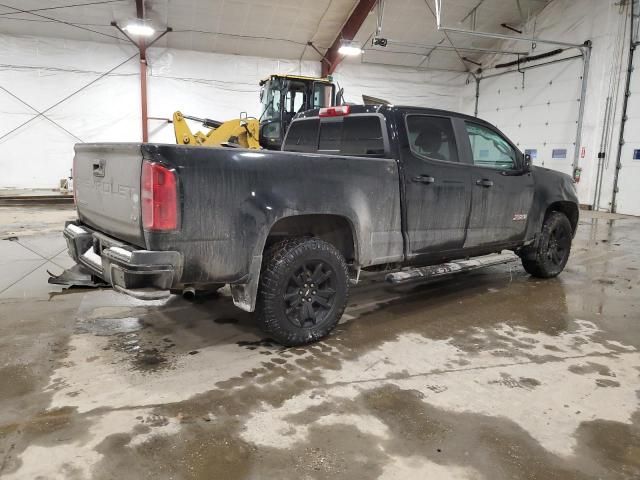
[466, 189]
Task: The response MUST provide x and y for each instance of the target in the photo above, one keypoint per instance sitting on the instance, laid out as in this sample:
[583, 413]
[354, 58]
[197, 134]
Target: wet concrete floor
[487, 375]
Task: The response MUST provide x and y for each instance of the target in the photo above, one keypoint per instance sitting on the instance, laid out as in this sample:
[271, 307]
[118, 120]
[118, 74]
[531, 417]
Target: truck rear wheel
[303, 290]
[553, 249]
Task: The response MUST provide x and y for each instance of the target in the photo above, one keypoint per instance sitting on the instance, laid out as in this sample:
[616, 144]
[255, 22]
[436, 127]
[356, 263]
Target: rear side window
[356, 135]
[432, 137]
[303, 136]
[362, 136]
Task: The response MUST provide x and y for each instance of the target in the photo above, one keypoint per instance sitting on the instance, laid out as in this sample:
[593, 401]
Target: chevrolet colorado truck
[354, 187]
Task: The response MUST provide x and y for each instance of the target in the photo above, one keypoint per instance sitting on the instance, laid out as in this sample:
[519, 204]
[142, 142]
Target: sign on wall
[559, 153]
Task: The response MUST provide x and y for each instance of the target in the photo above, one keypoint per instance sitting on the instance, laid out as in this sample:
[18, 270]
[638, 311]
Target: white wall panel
[628, 197]
[605, 23]
[539, 111]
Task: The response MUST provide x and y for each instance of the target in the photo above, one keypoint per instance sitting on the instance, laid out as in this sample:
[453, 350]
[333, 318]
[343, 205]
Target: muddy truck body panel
[386, 186]
[233, 199]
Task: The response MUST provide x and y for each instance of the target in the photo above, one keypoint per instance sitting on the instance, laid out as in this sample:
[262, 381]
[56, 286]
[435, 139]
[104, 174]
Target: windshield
[271, 99]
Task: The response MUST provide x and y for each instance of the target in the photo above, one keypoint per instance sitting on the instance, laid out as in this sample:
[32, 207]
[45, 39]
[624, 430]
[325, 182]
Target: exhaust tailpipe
[189, 293]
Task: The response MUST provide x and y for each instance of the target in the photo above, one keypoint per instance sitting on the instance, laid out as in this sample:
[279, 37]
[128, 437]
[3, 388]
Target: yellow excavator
[281, 97]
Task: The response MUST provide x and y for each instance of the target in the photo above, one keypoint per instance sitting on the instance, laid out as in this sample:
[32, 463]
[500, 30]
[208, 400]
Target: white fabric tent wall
[407, 86]
[603, 22]
[42, 71]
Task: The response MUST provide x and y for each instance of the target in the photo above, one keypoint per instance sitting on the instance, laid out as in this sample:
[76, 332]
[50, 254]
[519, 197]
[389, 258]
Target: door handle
[484, 183]
[424, 179]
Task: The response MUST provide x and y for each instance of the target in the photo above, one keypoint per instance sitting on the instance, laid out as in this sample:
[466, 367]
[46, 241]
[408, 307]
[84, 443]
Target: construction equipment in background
[241, 132]
[281, 97]
[368, 100]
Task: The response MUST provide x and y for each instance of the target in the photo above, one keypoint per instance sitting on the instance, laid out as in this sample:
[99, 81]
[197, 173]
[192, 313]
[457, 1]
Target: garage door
[628, 197]
[539, 111]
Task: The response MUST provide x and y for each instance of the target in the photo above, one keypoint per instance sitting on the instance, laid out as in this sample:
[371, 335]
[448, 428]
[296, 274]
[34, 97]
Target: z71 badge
[519, 217]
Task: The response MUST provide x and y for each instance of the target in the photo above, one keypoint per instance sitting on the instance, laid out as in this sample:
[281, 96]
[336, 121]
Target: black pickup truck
[354, 187]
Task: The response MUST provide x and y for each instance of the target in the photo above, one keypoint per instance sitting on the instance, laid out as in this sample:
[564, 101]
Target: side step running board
[444, 269]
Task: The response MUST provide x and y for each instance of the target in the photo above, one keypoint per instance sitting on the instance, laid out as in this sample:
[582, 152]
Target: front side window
[490, 149]
[432, 137]
[295, 99]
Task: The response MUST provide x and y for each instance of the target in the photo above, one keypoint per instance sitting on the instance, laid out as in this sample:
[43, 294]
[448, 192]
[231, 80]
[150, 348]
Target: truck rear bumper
[137, 272]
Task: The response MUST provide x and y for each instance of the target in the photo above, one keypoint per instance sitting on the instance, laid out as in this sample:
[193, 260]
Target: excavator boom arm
[243, 132]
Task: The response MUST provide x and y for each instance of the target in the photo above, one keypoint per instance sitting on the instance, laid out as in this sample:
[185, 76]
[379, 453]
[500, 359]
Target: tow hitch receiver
[77, 276]
[449, 268]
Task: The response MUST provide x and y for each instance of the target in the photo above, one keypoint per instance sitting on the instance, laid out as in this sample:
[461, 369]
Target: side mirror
[527, 163]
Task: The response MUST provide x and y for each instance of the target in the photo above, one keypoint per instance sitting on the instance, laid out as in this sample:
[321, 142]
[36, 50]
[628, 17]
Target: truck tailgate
[107, 183]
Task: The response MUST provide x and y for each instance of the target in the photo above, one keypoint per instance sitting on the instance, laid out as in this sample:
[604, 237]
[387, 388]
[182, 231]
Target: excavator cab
[283, 97]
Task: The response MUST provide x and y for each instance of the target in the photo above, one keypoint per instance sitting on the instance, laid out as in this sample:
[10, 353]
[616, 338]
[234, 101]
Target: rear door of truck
[436, 182]
[107, 189]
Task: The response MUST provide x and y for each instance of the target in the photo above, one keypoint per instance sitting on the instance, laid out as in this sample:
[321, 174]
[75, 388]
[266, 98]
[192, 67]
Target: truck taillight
[159, 197]
[339, 111]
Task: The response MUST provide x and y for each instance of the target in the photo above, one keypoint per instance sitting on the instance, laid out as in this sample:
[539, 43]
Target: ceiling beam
[359, 14]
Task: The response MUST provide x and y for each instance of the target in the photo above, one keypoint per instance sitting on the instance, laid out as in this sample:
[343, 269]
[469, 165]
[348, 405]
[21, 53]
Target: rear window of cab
[353, 135]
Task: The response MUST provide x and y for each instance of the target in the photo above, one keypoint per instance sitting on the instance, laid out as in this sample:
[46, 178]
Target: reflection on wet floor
[490, 374]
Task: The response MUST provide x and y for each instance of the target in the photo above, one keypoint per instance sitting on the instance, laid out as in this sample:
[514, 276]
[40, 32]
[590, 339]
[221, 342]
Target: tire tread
[277, 259]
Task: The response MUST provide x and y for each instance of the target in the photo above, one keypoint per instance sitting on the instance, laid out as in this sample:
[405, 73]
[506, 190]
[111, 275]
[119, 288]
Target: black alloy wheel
[310, 294]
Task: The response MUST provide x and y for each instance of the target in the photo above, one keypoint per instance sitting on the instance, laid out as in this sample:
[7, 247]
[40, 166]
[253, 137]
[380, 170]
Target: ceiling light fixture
[139, 29]
[349, 50]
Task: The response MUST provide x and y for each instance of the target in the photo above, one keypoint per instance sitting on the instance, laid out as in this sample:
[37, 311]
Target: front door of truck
[437, 186]
[502, 189]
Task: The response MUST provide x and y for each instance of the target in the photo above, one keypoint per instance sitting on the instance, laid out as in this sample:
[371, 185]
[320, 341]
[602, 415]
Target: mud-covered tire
[302, 292]
[554, 247]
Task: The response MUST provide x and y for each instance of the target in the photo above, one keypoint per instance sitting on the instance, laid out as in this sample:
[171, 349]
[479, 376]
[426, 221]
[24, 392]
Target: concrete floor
[491, 375]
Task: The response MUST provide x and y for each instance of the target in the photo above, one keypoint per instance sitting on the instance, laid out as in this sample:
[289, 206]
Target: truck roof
[394, 108]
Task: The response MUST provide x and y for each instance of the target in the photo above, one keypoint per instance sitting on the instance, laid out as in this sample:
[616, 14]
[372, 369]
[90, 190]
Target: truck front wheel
[303, 290]
[554, 246]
